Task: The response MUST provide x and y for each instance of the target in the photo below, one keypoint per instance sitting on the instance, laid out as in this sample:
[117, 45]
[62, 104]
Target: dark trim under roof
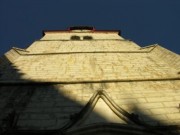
[81, 28]
[90, 28]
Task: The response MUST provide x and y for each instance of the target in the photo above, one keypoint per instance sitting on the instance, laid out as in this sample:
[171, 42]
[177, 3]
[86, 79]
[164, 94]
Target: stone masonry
[45, 85]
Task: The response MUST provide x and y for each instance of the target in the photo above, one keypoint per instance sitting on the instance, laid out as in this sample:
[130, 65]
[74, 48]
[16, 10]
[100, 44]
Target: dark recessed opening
[81, 28]
[87, 38]
[75, 38]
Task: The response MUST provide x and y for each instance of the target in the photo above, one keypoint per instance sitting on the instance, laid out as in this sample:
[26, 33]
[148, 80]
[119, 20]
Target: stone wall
[166, 55]
[44, 91]
[50, 107]
[91, 67]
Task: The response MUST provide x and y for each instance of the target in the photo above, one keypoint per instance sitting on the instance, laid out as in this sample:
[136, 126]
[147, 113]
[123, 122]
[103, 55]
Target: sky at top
[145, 22]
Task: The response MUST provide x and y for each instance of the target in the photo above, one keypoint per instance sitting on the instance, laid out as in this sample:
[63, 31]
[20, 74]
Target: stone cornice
[26, 53]
[51, 82]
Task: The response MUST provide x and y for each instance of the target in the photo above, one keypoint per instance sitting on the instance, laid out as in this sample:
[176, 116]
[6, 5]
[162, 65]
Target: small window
[87, 38]
[75, 38]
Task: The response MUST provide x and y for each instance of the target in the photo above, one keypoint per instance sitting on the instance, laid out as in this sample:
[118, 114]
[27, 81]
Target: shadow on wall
[43, 108]
[33, 106]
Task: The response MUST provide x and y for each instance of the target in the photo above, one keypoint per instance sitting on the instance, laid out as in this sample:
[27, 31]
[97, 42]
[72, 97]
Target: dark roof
[81, 28]
[92, 29]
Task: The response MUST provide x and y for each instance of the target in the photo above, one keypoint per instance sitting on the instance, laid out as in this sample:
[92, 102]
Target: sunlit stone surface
[46, 85]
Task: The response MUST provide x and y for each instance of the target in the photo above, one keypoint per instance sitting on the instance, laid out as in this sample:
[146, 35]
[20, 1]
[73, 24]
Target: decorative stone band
[104, 128]
[26, 53]
[41, 81]
[122, 129]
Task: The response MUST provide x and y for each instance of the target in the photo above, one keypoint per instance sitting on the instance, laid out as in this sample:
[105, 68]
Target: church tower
[86, 81]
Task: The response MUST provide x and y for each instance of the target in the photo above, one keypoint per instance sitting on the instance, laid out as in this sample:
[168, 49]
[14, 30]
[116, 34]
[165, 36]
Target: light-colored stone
[143, 81]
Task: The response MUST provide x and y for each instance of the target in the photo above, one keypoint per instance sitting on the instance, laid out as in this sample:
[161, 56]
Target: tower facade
[85, 81]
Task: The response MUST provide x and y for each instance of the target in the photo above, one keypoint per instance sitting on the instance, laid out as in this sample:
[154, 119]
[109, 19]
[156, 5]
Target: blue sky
[145, 22]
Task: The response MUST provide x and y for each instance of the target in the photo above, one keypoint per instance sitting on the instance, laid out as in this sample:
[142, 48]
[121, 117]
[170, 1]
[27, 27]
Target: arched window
[75, 38]
[87, 38]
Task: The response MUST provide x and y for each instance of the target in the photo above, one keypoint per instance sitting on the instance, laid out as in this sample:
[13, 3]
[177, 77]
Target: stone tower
[85, 81]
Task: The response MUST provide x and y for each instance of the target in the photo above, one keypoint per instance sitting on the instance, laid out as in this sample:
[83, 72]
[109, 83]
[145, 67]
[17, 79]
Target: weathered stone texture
[169, 57]
[143, 81]
[154, 102]
[81, 46]
[67, 35]
[90, 67]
